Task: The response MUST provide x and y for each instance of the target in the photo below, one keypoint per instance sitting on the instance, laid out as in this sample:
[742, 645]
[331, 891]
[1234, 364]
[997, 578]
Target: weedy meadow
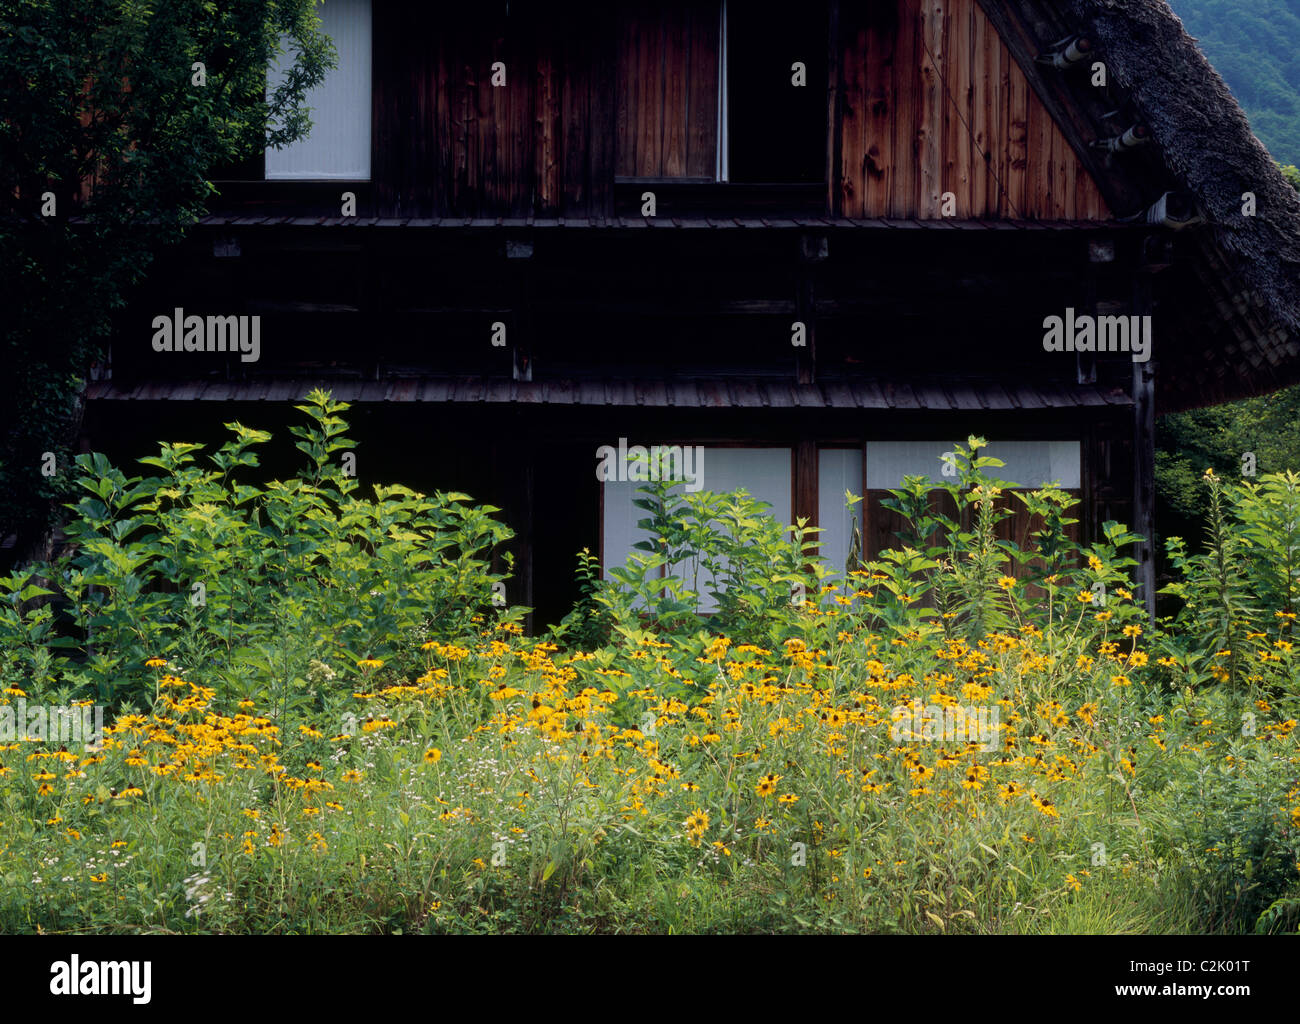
[320, 721]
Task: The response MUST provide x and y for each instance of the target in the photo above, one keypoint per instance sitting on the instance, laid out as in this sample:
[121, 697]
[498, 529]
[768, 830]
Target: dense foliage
[1255, 46]
[1241, 440]
[968, 735]
[199, 566]
[113, 113]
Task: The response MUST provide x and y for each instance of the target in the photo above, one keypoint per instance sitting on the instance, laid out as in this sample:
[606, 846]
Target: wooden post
[1144, 456]
[834, 198]
[812, 250]
[519, 256]
[806, 472]
[524, 567]
[512, 457]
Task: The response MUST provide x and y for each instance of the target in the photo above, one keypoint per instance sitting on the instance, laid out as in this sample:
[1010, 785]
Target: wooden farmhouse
[821, 241]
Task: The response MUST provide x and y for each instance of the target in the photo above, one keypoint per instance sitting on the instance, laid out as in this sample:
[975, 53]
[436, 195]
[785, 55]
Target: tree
[112, 115]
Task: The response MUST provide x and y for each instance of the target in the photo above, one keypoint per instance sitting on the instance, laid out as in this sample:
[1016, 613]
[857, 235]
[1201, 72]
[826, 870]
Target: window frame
[800, 197]
[308, 189]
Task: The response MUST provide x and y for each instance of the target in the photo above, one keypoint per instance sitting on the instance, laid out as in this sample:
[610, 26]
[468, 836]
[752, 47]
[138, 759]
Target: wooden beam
[813, 249]
[1144, 457]
[835, 140]
[805, 481]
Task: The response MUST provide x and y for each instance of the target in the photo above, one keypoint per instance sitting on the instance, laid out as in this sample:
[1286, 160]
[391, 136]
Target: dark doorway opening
[776, 130]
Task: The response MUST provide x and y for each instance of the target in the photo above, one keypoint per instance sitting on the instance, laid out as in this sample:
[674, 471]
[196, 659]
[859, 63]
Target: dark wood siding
[931, 101]
[450, 143]
[667, 90]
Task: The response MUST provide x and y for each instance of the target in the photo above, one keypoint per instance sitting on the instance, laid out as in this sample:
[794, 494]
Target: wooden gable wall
[928, 100]
[667, 91]
[448, 142]
[931, 101]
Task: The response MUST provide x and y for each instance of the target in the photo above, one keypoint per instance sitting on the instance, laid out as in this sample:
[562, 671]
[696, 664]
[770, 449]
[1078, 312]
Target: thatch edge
[1207, 144]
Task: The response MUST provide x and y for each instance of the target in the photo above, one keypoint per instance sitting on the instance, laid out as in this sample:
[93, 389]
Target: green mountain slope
[1255, 46]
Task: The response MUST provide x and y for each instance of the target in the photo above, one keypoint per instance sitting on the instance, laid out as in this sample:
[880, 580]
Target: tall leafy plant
[248, 583]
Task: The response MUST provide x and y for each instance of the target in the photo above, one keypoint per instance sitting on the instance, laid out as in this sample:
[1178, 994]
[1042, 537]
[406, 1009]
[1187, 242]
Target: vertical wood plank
[645, 81]
[834, 138]
[879, 159]
[930, 122]
[677, 69]
[545, 122]
[984, 45]
[906, 84]
[855, 62]
[956, 98]
[1067, 175]
[574, 83]
[625, 98]
[1041, 164]
[650, 146]
[701, 128]
[601, 134]
[1017, 140]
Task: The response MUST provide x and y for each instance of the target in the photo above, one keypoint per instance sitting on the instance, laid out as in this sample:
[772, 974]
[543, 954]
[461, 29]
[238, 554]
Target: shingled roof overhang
[936, 395]
[1240, 334]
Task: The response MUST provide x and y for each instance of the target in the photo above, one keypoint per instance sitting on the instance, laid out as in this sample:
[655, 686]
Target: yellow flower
[787, 799]
[767, 785]
[155, 663]
[1006, 582]
[432, 756]
[1072, 883]
[697, 823]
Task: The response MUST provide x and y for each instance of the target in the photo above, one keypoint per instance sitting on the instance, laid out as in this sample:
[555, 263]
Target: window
[773, 130]
[764, 472]
[838, 470]
[706, 93]
[1028, 463]
[338, 145]
[667, 92]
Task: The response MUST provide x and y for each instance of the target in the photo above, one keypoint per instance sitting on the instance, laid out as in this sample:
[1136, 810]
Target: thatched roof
[1244, 338]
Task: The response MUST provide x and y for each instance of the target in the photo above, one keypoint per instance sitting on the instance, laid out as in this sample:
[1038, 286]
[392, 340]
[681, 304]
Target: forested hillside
[1255, 46]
